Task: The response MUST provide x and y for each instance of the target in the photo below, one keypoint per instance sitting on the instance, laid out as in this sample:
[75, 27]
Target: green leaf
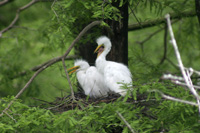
[121, 3]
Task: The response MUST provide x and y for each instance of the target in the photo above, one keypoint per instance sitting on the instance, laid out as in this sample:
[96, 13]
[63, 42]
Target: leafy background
[41, 34]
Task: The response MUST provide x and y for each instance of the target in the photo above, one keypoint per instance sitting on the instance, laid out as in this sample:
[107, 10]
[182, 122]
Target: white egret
[115, 74]
[90, 79]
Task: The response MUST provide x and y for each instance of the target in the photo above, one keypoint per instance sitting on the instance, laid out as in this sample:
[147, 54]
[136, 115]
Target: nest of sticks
[81, 101]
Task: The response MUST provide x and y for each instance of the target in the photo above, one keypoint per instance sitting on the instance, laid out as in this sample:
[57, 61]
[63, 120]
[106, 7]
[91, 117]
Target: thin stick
[26, 86]
[80, 35]
[127, 124]
[135, 15]
[35, 68]
[185, 76]
[173, 41]
[157, 21]
[165, 45]
[192, 70]
[67, 75]
[51, 62]
[4, 2]
[183, 84]
[17, 16]
[10, 117]
[174, 99]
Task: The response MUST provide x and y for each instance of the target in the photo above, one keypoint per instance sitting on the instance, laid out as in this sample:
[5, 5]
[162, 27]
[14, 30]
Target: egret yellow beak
[96, 50]
[73, 69]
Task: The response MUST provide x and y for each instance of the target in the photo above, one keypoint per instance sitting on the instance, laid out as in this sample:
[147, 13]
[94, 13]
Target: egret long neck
[101, 59]
[101, 63]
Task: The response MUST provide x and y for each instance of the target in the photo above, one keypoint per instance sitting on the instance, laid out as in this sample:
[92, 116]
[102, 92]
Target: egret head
[104, 44]
[78, 66]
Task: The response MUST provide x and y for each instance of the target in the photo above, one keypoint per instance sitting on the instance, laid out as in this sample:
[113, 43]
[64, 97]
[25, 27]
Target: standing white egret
[115, 74]
[90, 79]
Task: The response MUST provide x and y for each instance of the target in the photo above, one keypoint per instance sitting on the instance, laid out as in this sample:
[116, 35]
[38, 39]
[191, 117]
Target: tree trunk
[119, 39]
[87, 45]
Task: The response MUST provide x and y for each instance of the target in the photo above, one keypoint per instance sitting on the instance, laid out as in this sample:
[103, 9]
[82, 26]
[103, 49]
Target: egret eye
[102, 46]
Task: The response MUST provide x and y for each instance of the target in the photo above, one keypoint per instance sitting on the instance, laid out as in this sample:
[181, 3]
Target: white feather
[90, 80]
[114, 73]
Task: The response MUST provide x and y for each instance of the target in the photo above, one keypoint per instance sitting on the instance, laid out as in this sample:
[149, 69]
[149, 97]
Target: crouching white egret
[90, 79]
[115, 74]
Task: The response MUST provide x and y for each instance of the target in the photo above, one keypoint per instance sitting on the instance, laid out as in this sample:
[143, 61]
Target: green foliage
[150, 114]
[42, 37]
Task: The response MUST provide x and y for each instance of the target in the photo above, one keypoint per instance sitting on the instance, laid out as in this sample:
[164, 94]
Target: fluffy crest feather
[103, 40]
[82, 63]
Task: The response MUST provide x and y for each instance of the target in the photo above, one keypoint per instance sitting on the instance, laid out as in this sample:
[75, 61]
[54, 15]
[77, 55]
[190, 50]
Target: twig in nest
[70, 84]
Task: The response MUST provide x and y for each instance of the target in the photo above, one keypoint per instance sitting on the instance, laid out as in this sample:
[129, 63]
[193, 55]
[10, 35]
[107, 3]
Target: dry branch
[183, 84]
[165, 45]
[17, 16]
[52, 62]
[175, 99]
[161, 20]
[135, 16]
[185, 73]
[5, 2]
[185, 76]
[55, 60]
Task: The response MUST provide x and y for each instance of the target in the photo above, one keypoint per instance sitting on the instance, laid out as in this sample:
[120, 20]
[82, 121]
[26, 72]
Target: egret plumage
[115, 74]
[90, 79]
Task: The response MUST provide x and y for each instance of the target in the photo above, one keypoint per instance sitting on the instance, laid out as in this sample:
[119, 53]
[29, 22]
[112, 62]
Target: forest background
[44, 30]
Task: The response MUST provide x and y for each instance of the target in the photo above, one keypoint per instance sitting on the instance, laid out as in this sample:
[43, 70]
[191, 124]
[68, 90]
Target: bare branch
[127, 124]
[5, 2]
[51, 62]
[67, 75]
[17, 16]
[10, 117]
[153, 34]
[186, 75]
[192, 70]
[135, 16]
[172, 77]
[161, 20]
[183, 84]
[175, 99]
[165, 46]
[56, 59]
[150, 36]
[173, 64]
[173, 41]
